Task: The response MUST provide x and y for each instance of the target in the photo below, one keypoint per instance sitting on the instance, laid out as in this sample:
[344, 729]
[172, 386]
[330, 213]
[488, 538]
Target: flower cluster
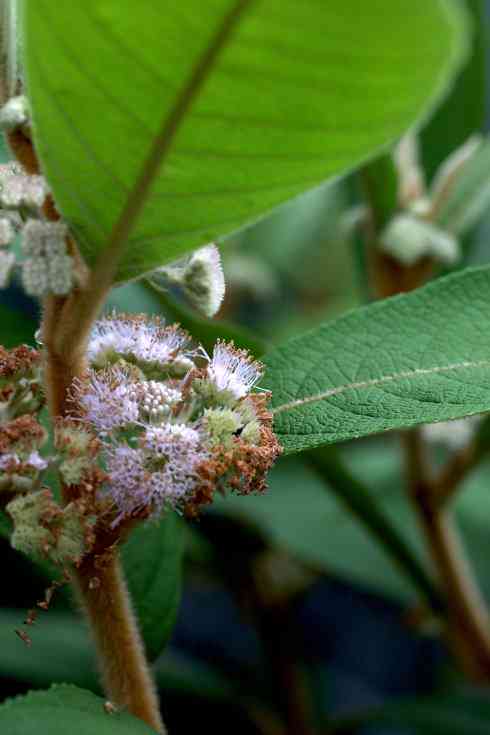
[41, 525]
[175, 425]
[47, 266]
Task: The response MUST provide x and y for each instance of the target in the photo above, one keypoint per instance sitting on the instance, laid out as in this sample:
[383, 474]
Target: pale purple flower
[232, 370]
[33, 462]
[144, 341]
[161, 472]
[108, 400]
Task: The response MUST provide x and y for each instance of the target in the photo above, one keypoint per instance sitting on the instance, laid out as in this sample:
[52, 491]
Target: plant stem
[467, 613]
[468, 618]
[99, 579]
[126, 677]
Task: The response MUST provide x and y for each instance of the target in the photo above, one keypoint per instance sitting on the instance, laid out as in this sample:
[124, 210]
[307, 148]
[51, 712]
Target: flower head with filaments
[106, 400]
[135, 339]
[170, 441]
[233, 371]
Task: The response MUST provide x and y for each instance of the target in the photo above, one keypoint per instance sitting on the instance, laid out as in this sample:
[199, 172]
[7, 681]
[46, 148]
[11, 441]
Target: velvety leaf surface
[412, 359]
[257, 101]
[65, 709]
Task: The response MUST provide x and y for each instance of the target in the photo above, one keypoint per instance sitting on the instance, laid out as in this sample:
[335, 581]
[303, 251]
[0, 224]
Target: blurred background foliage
[290, 601]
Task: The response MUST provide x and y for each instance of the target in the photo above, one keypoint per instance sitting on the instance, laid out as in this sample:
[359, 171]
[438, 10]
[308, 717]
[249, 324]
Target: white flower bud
[408, 239]
[14, 113]
[7, 232]
[18, 189]
[411, 180]
[35, 276]
[203, 280]
[200, 277]
[7, 263]
[454, 434]
[60, 274]
[44, 238]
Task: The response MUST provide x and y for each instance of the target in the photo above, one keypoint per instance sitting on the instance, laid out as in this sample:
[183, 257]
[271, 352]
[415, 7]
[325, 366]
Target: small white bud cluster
[7, 264]
[453, 435]
[10, 224]
[157, 399]
[48, 267]
[18, 189]
[409, 239]
[414, 233]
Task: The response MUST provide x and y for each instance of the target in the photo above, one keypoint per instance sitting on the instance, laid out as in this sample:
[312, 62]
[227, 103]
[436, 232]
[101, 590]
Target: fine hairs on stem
[99, 581]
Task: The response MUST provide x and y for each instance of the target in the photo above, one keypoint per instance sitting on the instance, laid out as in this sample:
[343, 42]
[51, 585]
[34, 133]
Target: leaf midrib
[164, 139]
[373, 382]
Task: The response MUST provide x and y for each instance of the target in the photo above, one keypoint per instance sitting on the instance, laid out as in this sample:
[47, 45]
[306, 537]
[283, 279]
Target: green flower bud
[222, 425]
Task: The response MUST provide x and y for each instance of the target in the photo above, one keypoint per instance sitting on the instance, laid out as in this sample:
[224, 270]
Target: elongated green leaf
[246, 103]
[63, 652]
[15, 327]
[65, 709]
[463, 111]
[322, 522]
[412, 359]
[470, 198]
[301, 513]
[152, 559]
[456, 714]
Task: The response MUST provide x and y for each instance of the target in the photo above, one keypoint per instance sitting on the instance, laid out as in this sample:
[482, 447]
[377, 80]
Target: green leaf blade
[294, 97]
[65, 709]
[412, 359]
[152, 560]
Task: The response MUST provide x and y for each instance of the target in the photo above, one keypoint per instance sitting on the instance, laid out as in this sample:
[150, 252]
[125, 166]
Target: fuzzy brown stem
[127, 680]
[99, 579]
[469, 622]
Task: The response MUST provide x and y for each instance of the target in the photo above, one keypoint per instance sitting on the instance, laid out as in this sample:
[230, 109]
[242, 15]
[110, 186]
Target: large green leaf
[412, 359]
[152, 559]
[15, 327]
[63, 652]
[305, 514]
[459, 713]
[463, 111]
[302, 514]
[65, 709]
[248, 103]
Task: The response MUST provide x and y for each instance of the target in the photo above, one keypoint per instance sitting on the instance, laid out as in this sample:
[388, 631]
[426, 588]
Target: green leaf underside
[294, 97]
[411, 359]
[66, 709]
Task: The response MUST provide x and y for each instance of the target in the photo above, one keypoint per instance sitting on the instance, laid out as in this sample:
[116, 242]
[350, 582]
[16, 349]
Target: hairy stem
[469, 622]
[99, 579]
[127, 680]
